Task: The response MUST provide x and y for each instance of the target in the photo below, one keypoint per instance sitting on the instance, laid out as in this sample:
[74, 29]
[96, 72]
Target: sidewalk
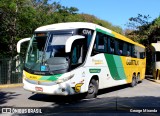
[157, 81]
[150, 78]
[11, 85]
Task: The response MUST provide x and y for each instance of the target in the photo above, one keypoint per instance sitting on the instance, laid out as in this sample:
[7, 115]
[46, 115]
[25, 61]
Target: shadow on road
[5, 96]
[111, 89]
[56, 98]
[72, 98]
[143, 105]
[77, 105]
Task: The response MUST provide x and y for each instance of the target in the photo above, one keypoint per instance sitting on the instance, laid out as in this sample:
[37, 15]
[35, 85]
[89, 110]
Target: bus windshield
[46, 52]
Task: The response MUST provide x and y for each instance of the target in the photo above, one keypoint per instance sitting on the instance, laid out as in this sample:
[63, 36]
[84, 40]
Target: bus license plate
[39, 89]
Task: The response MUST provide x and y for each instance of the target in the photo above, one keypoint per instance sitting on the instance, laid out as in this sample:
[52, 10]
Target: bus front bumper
[57, 89]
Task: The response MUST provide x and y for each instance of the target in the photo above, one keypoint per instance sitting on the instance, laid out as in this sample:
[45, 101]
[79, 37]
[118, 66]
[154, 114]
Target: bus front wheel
[92, 89]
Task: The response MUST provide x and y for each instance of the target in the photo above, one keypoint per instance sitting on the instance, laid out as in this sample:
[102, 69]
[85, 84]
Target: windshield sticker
[43, 68]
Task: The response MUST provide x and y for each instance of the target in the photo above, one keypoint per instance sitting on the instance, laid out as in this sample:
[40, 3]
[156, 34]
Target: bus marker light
[78, 87]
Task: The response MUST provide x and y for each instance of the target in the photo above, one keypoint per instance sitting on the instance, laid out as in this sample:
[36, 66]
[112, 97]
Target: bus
[80, 57]
[155, 48]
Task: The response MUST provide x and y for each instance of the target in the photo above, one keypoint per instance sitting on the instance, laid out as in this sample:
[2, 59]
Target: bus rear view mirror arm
[20, 42]
[70, 41]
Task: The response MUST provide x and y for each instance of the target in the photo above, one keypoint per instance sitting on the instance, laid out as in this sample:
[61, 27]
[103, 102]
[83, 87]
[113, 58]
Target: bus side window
[109, 45]
[105, 44]
[116, 44]
[124, 49]
[134, 51]
[112, 46]
[120, 48]
[99, 44]
[129, 49]
[157, 56]
[141, 53]
[77, 54]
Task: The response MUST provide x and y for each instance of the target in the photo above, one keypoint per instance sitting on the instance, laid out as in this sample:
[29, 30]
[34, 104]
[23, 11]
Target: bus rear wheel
[133, 83]
[92, 89]
[138, 78]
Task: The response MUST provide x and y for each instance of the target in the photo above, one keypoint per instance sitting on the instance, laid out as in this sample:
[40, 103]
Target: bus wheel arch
[92, 87]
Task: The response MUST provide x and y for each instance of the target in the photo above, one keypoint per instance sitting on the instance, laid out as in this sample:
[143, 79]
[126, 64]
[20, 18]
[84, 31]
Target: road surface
[143, 98]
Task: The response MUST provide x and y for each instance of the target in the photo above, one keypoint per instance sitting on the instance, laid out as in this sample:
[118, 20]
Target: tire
[133, 83]
[92, 89]
[138, 78]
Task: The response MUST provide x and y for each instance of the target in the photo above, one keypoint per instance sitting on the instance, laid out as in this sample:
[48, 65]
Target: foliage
[19, 19]
[138, 27]
[144, 32]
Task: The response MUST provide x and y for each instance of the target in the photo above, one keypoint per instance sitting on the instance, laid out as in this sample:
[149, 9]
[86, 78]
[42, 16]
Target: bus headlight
[61, 80]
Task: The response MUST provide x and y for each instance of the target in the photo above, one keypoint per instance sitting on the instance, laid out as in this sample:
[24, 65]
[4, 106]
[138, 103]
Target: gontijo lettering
[132, 62]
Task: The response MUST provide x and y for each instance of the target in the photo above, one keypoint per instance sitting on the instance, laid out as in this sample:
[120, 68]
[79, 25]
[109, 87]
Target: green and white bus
[78, 57]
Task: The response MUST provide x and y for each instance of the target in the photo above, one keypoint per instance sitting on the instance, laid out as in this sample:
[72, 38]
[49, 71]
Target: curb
[153, 80]
[157, 81]
[10, 85]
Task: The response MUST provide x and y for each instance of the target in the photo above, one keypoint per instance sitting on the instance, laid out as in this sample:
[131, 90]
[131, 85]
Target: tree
[19, 19]
[144, 32]
[138, 27]
[154, 34]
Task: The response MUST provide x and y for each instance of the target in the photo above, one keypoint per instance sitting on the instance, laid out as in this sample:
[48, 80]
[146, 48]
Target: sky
[117, 12]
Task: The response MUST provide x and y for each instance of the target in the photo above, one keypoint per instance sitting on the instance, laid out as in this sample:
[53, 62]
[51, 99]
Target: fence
[11, 70]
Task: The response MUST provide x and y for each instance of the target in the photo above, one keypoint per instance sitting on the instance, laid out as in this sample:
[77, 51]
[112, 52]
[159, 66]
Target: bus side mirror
[20, 42]
[70, 41]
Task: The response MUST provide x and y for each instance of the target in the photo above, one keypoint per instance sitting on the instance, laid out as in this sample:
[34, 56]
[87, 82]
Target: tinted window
[107, 44]
[100, 44]
[157, 56]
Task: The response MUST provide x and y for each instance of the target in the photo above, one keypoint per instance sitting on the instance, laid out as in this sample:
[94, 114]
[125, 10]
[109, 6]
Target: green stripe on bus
[44, 78]
[51, 78]
[54, 77]
[115, 66]
[112, 66]
[105, 32]
[119, 67]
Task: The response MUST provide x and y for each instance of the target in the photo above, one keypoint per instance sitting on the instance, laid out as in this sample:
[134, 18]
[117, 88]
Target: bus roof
[68, 25]
[76, 25]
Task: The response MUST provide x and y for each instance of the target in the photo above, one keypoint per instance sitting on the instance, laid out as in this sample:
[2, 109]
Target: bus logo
[132, 62]
[87, 32]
